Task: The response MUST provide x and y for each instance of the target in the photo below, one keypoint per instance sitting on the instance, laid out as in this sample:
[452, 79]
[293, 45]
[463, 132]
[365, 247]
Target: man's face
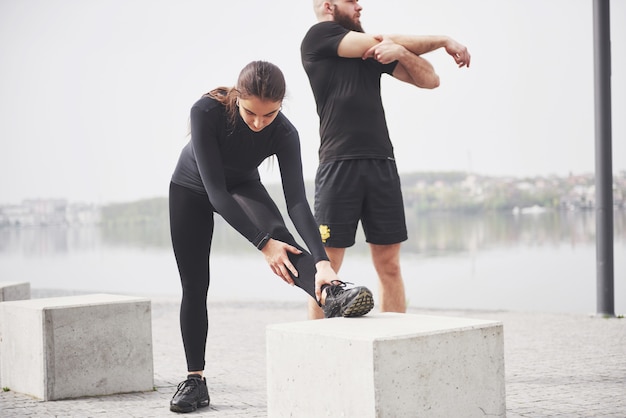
[348, 14]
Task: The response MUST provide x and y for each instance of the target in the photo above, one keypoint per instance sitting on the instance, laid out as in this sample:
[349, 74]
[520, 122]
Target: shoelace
[339, 283]
[187, 386]
[336, 287]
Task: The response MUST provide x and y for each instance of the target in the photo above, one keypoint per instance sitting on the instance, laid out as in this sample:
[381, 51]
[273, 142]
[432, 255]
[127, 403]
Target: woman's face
[258, 113]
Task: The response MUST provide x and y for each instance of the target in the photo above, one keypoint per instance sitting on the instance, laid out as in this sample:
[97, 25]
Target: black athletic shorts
[350, 191]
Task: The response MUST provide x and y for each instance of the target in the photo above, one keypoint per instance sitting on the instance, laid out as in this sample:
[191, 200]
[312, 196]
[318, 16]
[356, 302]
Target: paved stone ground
[557, 365]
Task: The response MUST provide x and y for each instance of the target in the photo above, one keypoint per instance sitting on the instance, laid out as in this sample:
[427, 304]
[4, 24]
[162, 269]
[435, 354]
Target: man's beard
[346, 21]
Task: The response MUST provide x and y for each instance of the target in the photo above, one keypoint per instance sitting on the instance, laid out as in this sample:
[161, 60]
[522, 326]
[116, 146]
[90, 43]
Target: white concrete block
[69, 347]
[386, 365]
[14, 291]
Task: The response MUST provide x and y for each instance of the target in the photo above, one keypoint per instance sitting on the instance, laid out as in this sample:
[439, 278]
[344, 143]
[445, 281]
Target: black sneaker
[190, 395]
[340, 301]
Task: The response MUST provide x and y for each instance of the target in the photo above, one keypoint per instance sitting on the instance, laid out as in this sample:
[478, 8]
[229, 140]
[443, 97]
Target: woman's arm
[290, 163]
[204, 138]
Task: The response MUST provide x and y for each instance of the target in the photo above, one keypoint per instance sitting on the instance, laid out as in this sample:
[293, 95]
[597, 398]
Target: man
[357, 179]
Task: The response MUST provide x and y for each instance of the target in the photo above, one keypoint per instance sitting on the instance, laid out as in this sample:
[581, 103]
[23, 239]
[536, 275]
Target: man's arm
[416, 70]
[411, 68]
[420, 44]
[357, 44]
[423, 44]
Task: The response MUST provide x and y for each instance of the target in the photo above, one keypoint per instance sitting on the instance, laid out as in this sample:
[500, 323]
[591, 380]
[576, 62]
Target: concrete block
[75, 346]
[14, 291]
[386, 365]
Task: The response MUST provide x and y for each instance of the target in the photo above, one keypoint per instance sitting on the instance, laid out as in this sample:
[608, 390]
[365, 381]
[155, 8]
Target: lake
[531, 262]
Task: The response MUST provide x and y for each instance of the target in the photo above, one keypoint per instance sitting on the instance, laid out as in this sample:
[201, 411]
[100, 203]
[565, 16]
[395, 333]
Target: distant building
[48, 212]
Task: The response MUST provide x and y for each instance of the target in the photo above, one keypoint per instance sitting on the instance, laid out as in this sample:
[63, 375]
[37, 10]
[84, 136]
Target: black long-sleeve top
[219, 157]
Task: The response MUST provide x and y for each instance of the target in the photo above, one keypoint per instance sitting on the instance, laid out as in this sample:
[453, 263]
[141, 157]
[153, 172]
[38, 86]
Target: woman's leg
[262, 210]
[191, 227]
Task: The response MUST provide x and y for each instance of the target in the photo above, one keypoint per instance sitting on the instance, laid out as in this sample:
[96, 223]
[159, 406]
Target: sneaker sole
[361, 305]
[201, 404]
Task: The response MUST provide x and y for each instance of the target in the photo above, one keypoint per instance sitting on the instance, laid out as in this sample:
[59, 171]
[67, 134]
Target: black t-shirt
[347, 94]
[218, 158]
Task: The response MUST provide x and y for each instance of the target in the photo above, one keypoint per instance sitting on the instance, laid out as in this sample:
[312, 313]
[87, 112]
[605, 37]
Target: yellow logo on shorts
[324, 232]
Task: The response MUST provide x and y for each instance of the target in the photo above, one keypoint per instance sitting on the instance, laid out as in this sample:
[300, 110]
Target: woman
[232, 131]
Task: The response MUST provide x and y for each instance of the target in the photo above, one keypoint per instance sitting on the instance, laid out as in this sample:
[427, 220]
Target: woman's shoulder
[206, 103]
[286, 127]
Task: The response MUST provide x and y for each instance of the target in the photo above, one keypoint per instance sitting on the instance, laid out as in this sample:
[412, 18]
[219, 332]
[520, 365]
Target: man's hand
[459, 52]
[275, 253]
[411, 67]
[385, 52]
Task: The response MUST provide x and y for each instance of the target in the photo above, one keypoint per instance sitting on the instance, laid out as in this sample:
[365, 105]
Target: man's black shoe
[190, 395]
[340, 301]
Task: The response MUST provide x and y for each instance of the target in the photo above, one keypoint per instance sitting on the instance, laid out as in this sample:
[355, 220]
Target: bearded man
[357, 178]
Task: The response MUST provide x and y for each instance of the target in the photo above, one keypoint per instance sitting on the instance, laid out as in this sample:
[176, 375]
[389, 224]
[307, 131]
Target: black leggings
[191, 227]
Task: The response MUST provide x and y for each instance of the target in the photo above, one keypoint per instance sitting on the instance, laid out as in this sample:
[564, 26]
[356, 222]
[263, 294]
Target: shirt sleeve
[389, 68]
[290, 163]
[322, 40]
[204, 136]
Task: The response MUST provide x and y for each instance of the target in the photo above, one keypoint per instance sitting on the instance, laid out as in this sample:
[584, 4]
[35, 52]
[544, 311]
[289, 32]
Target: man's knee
[390, 275]
[386, 260]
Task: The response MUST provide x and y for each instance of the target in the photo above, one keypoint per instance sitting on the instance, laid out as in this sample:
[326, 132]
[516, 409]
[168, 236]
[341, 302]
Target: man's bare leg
[336, 259]
[386, 260]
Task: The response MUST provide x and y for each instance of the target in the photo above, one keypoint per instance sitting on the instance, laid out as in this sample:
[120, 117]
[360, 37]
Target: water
[540, 262]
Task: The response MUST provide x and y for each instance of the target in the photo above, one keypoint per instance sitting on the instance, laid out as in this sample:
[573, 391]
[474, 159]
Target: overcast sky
[95, 95]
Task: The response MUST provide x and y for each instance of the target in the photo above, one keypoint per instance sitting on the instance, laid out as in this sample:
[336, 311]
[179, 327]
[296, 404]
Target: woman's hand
[325, 275]
[275, 253]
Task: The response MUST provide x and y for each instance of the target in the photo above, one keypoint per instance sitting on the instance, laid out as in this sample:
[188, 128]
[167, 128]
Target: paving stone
[556, 365]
